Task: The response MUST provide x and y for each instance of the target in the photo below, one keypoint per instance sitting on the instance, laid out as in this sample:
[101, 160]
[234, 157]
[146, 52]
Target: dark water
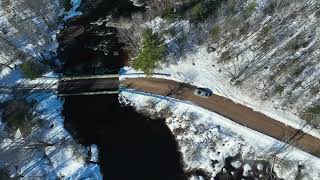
[131, 145]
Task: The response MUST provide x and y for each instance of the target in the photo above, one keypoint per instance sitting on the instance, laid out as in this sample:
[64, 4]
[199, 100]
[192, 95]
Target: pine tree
[152, 52]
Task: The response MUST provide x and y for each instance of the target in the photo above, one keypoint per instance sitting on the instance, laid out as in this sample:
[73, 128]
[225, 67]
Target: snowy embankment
[48, 151]
[64, 158]
[200, 68]
[205, 137]
[67, 158]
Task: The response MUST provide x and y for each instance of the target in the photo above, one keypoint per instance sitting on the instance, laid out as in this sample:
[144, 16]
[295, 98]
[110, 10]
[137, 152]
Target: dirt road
[227, 108]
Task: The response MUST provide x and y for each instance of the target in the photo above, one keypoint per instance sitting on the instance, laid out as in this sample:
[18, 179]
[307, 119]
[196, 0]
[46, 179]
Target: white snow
[246, 168]
[5, 144]
[259, 166]
[64, 158]
[90, 172]
[204, 136]
[236, 164]
[49, 106]
[65, 163]
[72, 13]
[17, 135]
[5, 71]
[67, 159]
[94, 153]
[200, 69]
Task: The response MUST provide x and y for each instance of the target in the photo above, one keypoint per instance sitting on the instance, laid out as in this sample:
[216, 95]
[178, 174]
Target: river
[131, 145]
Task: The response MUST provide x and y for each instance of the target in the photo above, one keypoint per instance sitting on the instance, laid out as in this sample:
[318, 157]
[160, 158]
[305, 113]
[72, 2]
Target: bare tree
[132, 37]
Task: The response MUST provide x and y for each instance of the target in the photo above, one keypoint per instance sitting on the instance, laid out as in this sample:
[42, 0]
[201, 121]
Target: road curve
[239, 113]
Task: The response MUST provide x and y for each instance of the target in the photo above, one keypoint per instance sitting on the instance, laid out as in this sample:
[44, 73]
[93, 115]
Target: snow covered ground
[205, 137]
[65, 159]
[28, 156]
[200, 68]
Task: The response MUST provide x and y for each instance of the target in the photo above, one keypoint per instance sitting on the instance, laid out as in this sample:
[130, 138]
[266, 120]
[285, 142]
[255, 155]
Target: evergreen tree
[152, 52]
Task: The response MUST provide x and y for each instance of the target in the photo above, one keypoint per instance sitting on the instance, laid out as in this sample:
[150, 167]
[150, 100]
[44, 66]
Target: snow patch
[236, 164]
[73, 12]
[246, 169]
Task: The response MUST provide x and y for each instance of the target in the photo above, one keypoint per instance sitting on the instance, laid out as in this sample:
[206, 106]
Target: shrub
[270, 8]
[67, 5]
[198, 12]
[265, 32]
[171, 31]
[20, 55]
[318, 14]
[250, 9]
[225, 57]
[215, 33]
[296, 85]
[244, 28]
[18, 120]
[312, 115]
[4, 175]
[314, 110]
[279, 89]
[268, 43]
[152, 52]
[297, 43]
[18, 115]
[297, 71]
[182, 39]
[172, 12]
[293, 45]
[32, 70]
[231, 4]
[201, 10]
[169, 14]
[315, 90]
